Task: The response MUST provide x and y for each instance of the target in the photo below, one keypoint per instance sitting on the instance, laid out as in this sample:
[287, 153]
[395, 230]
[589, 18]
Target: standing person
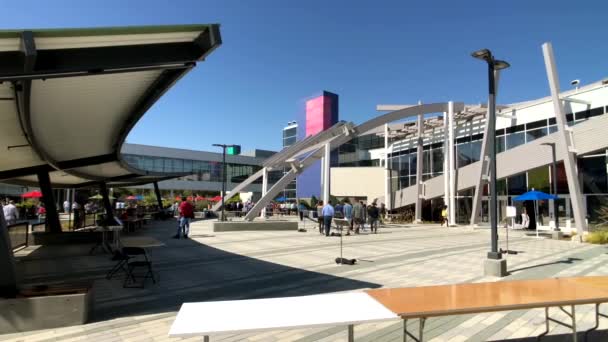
[10, 213]
[76, 210]
[338, 210]
[66, 206]
[301, 209]
[382, 213]
[186, 213]
[348, 215]
[357, 216]
[328, 215]
[444, 215]
[320, 216]
[374, 215]
[41, 212]
[364, 215]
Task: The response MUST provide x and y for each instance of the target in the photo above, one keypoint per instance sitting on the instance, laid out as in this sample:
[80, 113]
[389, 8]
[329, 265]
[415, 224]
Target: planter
[45, 307]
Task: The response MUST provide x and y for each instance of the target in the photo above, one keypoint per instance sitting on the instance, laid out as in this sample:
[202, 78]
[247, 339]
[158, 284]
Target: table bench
[238, 316]
[210, 318]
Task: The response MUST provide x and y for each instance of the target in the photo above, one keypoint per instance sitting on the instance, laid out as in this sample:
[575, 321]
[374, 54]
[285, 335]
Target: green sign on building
[233, 150]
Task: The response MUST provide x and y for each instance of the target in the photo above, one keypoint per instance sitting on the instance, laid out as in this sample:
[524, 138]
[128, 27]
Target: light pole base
[557, 235]
[495, 267]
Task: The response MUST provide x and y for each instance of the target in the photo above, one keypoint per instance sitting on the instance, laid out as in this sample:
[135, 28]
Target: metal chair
[120, 265]
[137, 258]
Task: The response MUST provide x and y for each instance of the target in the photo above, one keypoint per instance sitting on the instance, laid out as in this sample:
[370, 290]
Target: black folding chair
[122, 260]
[137, 258]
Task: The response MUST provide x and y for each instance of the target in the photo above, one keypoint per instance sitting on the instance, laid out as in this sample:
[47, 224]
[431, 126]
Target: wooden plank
[441, 300]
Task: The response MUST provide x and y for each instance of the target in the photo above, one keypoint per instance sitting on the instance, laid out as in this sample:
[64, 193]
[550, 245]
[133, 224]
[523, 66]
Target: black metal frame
[406, 333]
[132, 265]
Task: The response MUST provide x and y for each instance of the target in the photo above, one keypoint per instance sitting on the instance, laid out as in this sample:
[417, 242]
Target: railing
[18, 233]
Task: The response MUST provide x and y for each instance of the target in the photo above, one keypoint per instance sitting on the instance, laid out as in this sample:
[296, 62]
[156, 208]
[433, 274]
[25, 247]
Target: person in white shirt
[66, 206]
[10, 213]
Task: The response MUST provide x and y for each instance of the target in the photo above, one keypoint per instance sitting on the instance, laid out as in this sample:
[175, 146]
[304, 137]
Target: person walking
[348, 215]
[444, 216]
[328, 214]
[382, 213]
[364, 219]
[357, 216]
[66, 206]
[374, 215]
[320, 216]
[186, 213]
[11, 214]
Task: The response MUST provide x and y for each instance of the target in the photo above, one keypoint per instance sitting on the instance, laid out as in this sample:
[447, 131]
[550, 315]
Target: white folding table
[212, 318]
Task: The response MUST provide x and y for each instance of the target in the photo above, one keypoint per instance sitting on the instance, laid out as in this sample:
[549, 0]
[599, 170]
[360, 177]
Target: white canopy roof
[68, 98]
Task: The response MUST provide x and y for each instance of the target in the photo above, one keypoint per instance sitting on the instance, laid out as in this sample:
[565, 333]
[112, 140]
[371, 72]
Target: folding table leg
[351, 333]
[406, 333]
[597, 320]
[571, 314]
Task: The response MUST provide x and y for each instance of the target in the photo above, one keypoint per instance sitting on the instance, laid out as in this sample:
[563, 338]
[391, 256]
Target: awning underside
[69, 98]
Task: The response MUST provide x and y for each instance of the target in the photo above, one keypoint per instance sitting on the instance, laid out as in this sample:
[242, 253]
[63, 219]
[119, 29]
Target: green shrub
[599, 237]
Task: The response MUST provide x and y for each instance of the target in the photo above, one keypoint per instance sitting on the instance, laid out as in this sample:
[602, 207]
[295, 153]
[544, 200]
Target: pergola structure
[70, 97]
[304, 153]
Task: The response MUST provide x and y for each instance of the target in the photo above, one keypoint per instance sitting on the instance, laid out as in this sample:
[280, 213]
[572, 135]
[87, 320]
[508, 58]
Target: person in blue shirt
[348, 215]
[328, 214]
[301, 210]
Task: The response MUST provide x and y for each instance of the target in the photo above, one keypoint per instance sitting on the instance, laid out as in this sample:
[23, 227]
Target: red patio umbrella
[216, 198]
[189, 198]
[199, 198]
[131, 198]
[178, 198]
[32, 194]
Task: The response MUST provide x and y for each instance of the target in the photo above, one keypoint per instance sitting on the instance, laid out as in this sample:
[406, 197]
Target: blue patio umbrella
[535, 196]
[281, 199]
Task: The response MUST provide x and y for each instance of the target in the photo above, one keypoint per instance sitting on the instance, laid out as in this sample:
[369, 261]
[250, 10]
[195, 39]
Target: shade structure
[535, 195]
[32, 194]
[70, 97]
[281, 199]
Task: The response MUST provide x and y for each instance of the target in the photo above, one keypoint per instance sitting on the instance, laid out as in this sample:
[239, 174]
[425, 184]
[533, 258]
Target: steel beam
[159, 199]
[8, 280]
[103, 189]
[264, 188]
[452, 167]
[419, 165]
[326, 172]
[446, 157]
[387, 172]
[565, 140]
[52, 217]
[238, 188]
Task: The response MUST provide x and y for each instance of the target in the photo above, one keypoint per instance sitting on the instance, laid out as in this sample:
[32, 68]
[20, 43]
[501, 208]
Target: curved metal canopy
[69, 97]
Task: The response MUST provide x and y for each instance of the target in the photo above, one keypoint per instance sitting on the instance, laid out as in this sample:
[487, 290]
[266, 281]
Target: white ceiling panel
[77, 117]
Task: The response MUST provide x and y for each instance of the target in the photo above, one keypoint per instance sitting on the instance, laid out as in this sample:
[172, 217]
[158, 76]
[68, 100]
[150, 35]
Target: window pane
[515, 139]
[517, 184]
[535, 134]
[500, 144]
[437, 160]
[404, 165]
[538, 179]
[594, 174]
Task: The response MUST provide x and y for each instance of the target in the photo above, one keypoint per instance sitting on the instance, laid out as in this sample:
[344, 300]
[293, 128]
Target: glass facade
[290, 134]
[356, 151]
[199, 170]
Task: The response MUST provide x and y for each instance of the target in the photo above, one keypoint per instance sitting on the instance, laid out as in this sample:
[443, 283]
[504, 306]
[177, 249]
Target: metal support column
[52, 217]
[419, 165]
[452, 168]
[8, 280]
[159, 199]
[564, 139]
[387, 172]
[264, 189]
[103, 189]
[446, 153]
[326, 168]
[321, 194]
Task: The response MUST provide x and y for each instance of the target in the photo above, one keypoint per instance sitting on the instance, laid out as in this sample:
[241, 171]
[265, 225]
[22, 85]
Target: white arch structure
[304, 153]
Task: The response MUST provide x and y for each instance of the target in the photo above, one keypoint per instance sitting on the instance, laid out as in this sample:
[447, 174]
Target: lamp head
[483, 54]
[499, 65]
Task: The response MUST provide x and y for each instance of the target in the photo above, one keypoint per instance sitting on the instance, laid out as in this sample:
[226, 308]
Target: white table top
[208, 318]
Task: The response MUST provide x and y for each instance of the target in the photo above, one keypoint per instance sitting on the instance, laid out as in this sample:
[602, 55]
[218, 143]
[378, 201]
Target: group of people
[357, 215]
[11, 212]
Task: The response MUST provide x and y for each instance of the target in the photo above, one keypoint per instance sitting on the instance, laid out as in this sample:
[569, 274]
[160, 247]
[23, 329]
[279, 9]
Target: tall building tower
[320, 113]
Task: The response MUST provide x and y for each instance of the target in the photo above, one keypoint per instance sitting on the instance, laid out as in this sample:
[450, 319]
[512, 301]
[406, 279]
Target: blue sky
[277, 53]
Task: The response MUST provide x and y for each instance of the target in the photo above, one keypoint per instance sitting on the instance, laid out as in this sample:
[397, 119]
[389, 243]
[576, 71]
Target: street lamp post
[224, 147]
[554, 185]
[493, 66]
